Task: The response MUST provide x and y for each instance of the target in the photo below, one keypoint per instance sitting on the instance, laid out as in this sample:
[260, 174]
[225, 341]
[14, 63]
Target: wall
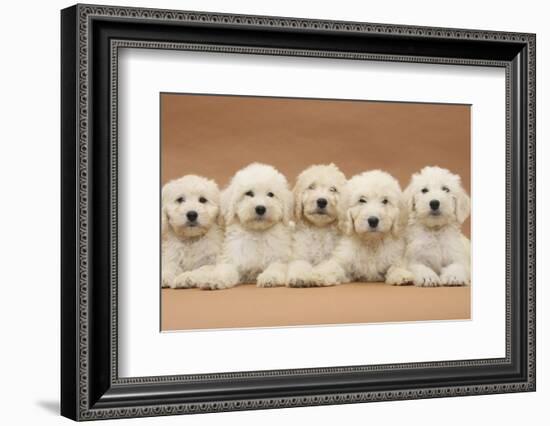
[29, 172]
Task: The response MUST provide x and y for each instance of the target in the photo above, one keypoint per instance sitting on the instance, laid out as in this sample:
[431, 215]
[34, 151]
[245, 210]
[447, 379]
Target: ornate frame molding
[82, 17]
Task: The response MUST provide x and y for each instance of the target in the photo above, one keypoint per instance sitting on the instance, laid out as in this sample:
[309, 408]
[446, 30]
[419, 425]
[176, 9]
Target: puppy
[373, 246]
[317, 195]
[257, 209]
[191, 236]
[437, 251]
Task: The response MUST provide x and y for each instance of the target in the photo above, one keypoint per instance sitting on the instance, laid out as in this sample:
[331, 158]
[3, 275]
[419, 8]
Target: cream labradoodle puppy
[437, 251]
[191, 236]
[256, 209]
[373, 246]
[317, 194]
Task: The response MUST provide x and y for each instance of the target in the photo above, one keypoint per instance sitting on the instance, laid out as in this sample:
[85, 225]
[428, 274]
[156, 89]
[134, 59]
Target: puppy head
[257, 197]
[190, 205]
[317, 194]
[375, 205]
[435, 197]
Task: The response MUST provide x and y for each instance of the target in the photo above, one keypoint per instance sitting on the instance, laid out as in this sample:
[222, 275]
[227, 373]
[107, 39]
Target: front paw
[211, 285]
[271, 279]
[399, 277]
[326, 275]
[427, 279]
[167, 281]
[299, 275]
[222, 277]
[453, 280]
[184, 280]
[299, 281]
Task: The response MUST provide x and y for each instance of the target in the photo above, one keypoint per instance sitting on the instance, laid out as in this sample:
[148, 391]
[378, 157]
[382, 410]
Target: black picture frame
[90, 38]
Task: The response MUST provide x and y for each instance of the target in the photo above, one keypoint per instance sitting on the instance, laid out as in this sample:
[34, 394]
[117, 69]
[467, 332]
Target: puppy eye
[385, 201]
[446, 189]
[202, 200]
[249, 194]
[362, 200]
[312, 186]
[270, 194]
[424, 190]
[333, 189]
[180, 200]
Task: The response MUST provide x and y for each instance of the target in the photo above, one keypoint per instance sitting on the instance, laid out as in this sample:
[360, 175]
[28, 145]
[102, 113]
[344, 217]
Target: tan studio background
[215, 136]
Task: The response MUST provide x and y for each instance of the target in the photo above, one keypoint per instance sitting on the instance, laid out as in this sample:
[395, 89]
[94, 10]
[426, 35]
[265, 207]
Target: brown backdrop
[214, 136]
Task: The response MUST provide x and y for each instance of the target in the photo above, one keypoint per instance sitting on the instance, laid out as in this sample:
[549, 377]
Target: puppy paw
[221, 277]
[427, 280]
[399, 277]
[181, 281]
[184, 280]
[270, 279]
[299, 275]
[216, 283]
[298, 282]
[301, 281]
[453, 280]
[326, 275]
[212, 286]
[454, 275]
[167, 281]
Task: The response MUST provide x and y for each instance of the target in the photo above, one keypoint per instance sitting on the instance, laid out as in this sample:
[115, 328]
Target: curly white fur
[191, 236]
[257, 209]
[373, 246]
[437, 251]
[317, 194]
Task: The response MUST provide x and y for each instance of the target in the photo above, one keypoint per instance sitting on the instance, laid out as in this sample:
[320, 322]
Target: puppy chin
[257, 224]
[190, 231]
[365, 232]
[432, 220]
[319, 219]
[370, 234]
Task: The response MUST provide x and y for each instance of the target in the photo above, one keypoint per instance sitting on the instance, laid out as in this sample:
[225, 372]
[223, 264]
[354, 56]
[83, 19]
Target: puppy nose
[373, 221]
[322, 203]
[434, 204]
[192, 215]
[260, 210]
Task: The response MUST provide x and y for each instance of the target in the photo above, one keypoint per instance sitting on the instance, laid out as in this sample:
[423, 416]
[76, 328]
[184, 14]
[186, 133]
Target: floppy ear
[163, 221]
[227, 206]
[408, 198]
[462, 206]
[216, 199]
[345, 220]
[347, 224]
[402, 219]
[297, 195]
[288, 204]
[163, 215]
[219, 218]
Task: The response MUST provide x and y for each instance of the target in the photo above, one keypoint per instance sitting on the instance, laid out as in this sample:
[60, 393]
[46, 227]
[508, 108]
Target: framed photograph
[263, 212]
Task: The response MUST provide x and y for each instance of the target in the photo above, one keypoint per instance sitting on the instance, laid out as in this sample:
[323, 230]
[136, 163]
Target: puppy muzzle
[434, 208]
[373, 222]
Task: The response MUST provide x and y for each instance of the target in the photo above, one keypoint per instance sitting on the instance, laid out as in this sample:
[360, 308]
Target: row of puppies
[327, 231]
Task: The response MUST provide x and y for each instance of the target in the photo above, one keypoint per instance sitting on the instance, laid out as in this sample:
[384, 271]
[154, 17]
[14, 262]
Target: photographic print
[280, 212]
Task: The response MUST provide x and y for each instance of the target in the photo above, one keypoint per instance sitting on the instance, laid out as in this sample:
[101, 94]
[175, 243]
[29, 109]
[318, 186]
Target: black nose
[260, 210]
[192, 215]
[322, 203]
[434, 204]
[373, 221]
